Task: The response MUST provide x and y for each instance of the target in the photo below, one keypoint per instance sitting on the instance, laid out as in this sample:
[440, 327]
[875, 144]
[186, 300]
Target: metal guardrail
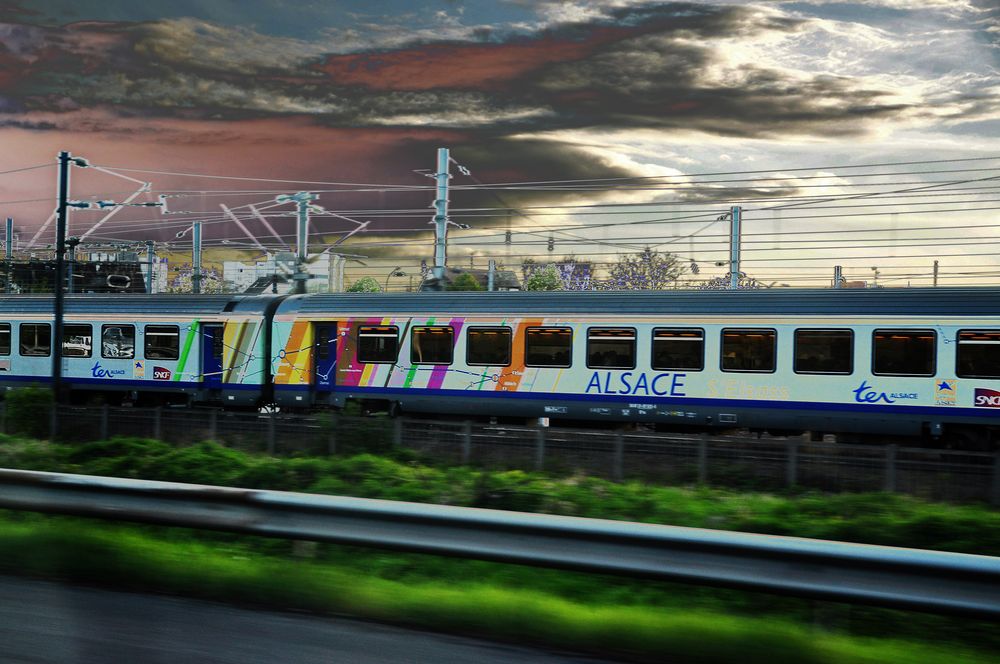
[894, 577]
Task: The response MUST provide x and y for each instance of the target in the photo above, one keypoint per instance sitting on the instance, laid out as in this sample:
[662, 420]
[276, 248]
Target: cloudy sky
[789, 102]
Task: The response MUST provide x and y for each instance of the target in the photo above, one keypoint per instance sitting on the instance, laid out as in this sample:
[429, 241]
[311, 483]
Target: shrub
[28, 411]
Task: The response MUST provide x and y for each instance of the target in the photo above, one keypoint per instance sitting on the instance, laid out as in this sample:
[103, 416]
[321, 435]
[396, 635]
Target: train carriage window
[378, 344]
[749, 350]
[162, 342]
[978, 354]
[682, 348]
[4, 338]
[548, 346]
[118, 341]
[904, 352]
[824, 351]
[78, 340]
[36, 339]
[488, 346]
[432, 344]
[611, 348]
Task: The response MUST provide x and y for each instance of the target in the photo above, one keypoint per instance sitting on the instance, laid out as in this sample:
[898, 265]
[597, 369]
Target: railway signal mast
[302, 202]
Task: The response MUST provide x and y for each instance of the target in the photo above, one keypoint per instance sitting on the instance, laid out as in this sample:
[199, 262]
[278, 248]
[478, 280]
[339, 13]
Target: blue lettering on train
[97, 371]
[632, 383]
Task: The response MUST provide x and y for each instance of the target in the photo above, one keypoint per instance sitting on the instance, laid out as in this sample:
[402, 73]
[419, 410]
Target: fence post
[213, 424]
[539, 448]
[104, 422]
[617, 466]
[466, 442]
[995, 489]
[331, 441]
[397, 432]
[271, 434]
[890, 468]
[703, 458]
[157, 423]
[792, 470]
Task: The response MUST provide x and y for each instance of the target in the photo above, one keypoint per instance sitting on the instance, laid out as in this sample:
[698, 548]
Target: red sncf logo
[161, 373]
[987, 398]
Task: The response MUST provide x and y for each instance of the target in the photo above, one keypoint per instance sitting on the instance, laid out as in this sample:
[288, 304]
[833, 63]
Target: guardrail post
[331, 441]
[890, 468]
[104, 423]
[617, 466]
[703, 458]
[157, 423]
[213, 424]
[271, 434]
[539, 448]
[995, 489]
[792, 469]
[466, 442]
[397, 432]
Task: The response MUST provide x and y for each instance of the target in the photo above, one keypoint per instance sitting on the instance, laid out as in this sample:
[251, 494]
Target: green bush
[27, 411]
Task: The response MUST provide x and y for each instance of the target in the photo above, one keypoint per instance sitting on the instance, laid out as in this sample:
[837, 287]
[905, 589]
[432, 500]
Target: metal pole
[9, 246]
[491, 276]
[935, 273]
[196, 257]
[734, 247]
[57, 331]
[838, 276]
[441, 215]
[149, 266]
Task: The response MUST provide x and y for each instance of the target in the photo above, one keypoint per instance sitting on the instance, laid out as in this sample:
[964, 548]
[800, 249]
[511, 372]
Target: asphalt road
[54, 623]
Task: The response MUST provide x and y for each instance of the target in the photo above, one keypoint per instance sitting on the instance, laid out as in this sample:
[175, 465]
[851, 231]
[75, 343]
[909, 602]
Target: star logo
[946, 386]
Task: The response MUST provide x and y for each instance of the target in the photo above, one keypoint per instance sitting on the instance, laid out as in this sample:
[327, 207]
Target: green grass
[876, 518]
[872, 518]
[129, 558]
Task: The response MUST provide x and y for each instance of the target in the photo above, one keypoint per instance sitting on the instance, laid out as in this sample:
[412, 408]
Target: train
[920, 363]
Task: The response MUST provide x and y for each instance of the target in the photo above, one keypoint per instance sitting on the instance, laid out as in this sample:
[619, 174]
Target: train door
[212, 347]
[325, 356]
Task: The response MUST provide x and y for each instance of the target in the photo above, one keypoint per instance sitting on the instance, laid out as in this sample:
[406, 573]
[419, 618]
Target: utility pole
[838, 276]
[9, 253]
[71, 245]
[149, 266]
[196, 257]
[491, 276]
[441, 215]
[935, 273]
[302, 200]
[734, 247]
[62, 209]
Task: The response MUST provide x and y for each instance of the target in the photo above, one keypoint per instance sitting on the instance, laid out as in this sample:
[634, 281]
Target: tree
[722, 283]
[647, 270]
[464, 282]
[210, 283]
[545, 279]
[574, 275]
[365, 285]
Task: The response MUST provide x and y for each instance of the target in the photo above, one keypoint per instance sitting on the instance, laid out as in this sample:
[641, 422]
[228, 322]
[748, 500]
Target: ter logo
[987, 398]
[161, 373]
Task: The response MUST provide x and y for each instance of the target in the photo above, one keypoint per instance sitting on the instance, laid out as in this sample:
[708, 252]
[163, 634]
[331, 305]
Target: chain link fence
[739, 462]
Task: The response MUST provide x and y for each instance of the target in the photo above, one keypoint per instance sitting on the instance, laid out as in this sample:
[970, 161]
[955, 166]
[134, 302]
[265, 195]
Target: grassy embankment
[627, 618]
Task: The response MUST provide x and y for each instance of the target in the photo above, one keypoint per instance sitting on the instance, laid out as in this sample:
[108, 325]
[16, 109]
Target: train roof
[162, 304]
[981, 301]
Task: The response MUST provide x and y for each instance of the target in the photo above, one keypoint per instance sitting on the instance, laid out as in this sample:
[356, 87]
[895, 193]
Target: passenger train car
[911, 362]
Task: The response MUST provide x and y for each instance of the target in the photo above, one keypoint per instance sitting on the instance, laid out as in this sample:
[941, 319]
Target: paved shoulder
[55, 624]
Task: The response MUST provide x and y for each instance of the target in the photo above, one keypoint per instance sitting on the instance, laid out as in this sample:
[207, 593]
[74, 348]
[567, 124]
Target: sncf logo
[987, 398]
[161, 373]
